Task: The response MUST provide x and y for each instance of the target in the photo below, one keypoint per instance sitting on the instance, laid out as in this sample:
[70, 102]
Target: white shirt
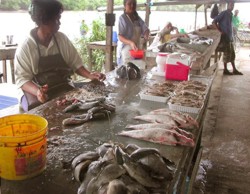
[27, 56]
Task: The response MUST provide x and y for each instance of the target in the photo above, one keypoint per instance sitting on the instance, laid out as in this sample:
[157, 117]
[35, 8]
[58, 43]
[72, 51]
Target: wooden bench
[98, 45]
[7, 54]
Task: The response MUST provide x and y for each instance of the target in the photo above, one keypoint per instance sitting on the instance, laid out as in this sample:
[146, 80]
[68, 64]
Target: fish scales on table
[159, 135]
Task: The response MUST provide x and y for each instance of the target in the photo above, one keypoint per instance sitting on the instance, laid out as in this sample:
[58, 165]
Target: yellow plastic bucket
[23, 146]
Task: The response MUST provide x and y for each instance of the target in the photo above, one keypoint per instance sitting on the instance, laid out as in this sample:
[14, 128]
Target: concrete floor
[225, 166]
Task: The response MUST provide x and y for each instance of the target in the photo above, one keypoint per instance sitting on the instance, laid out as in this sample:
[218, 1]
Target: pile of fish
[190, 94]
[165, 127]
[96, 108]
[129, 71]
[116, 169]
[164, 89]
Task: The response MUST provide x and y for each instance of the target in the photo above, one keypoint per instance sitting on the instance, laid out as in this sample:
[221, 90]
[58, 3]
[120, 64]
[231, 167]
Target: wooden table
[200, 62]
[101, 45]
[8, 53]
[65, 142]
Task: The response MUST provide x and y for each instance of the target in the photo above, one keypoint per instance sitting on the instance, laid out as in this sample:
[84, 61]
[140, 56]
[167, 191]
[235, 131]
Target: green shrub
[97, 33]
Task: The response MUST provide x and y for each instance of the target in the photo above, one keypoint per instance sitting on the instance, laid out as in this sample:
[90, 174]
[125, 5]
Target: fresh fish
[82, 116]
[72, 107]
[158, 135]
[133, 186]
[184, 120]
[81, 106]
[77, 121]
[107, 174]
[108, 106]
[149, 126]
[143, 152]
[157, 167]
[116, 186]
[136, 171]
[163, 119]
[80, 170]
[74, 121]
[183, 132]
[93, 170]
[84, 156]
[159, 125]
[130, 148]
[109, 155]
[102, 149]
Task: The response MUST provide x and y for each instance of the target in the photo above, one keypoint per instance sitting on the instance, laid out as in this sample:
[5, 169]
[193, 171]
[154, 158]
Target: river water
[20, 23]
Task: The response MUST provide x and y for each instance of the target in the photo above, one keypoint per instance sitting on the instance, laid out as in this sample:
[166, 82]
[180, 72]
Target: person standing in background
[130, 30]
[223, 22]
[236, 21]
[83, 28]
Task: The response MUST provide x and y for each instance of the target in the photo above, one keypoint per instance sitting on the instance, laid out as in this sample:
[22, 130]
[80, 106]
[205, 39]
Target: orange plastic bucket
[23, 146]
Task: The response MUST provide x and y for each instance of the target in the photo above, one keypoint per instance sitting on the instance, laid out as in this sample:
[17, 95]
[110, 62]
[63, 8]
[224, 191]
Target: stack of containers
[177, 67]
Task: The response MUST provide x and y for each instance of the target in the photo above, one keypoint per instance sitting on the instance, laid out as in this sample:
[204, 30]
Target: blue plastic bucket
[114, 37]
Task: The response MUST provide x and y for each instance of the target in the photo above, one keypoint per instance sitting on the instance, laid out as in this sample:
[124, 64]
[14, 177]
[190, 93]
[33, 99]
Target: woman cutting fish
[47, 58]
[130, 30]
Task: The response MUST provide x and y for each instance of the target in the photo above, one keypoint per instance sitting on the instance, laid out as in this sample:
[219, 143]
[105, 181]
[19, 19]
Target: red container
[139, 54]
[177, 72]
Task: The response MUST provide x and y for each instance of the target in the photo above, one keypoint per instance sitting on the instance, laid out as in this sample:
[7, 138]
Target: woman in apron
[131, 30]
[46, 59]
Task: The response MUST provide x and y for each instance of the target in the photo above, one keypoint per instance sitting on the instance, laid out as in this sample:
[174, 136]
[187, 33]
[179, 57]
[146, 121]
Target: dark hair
[125, 1]
[135, 14]
[43, 11]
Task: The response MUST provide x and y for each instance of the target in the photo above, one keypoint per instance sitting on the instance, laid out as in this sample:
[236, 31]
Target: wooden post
[205, 12]
[147, 12]
[195, 20]
[109, 31]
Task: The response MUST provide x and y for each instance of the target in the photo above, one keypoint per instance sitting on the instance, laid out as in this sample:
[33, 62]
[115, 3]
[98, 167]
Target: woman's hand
[133, 46]
[41, 93]
[97, 76]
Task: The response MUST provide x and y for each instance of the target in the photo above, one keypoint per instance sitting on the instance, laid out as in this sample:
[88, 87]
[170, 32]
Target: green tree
[98, 33]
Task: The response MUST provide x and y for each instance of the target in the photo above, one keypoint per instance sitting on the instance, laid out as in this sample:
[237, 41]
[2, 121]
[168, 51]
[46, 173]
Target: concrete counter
[66, 142]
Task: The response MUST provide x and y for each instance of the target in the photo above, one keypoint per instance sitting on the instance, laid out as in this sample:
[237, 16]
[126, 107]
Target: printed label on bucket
[30, 161]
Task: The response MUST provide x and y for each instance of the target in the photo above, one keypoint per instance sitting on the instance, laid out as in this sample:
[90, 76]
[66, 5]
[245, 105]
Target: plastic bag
[214, 11]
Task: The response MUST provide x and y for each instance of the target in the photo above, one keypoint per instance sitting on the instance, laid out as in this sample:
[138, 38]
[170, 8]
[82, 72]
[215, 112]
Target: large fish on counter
[166, 117]
[162, 119]
[146, 126]
[161, 136]
[184, 120]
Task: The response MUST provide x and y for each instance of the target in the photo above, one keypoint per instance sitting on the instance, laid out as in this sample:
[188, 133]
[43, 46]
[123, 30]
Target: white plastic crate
[186, 109]
[154, 98]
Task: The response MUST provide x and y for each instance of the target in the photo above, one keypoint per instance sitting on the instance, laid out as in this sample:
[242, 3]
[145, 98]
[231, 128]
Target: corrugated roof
[177, 2]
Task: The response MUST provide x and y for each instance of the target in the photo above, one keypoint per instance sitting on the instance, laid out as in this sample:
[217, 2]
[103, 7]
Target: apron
[135, 38]
[52, 70]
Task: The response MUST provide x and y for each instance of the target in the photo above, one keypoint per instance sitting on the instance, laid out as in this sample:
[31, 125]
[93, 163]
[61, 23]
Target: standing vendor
[47, 58]
[130, 30]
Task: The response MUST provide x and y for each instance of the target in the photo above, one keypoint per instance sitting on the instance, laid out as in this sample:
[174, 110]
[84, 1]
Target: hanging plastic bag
[214, 11]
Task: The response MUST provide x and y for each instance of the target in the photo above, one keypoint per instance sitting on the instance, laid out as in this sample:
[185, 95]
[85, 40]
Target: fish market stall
[200, 47]
[72, 132]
